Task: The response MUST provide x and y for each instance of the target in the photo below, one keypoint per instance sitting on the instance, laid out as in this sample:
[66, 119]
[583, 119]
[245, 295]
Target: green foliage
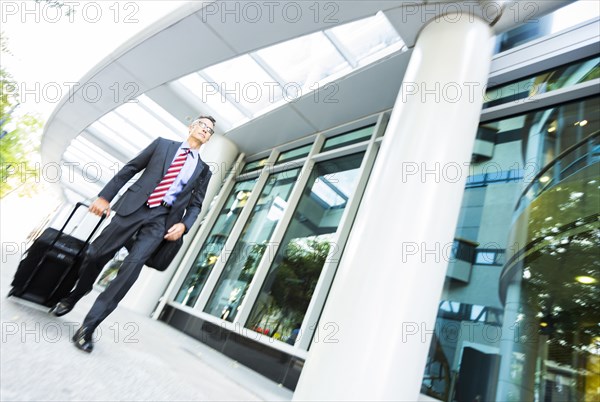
[298, 274]
[293, 284]
[19, 139]
[67, 9]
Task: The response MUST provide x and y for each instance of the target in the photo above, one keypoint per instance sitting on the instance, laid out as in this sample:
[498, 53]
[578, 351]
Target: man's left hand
[175, 232]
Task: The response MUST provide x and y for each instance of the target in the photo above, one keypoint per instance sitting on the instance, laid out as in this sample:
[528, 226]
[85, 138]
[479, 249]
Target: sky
[50, 48]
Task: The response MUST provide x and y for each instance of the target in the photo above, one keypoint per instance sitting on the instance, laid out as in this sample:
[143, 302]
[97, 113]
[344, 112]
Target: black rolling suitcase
[50, 267]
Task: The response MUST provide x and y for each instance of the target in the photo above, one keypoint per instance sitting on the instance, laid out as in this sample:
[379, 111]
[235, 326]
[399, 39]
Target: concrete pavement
[135, 358]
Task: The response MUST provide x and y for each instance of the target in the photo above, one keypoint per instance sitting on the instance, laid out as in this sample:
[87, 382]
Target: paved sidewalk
[135, 359]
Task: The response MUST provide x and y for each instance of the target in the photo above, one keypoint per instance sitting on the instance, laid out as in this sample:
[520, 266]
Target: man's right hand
[99, 206]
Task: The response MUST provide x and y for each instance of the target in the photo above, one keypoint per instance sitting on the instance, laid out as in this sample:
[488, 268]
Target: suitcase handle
[77, 206]
[39, 264]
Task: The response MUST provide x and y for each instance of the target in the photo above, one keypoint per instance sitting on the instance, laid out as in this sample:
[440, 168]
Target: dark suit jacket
[155, 160]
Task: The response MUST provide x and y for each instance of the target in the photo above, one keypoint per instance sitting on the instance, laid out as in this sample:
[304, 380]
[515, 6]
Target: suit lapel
[171, 150]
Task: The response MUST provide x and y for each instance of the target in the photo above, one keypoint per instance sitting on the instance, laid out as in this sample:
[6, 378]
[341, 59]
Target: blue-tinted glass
[241, 266]
[210, 251]
[352, 137]
[288, 288]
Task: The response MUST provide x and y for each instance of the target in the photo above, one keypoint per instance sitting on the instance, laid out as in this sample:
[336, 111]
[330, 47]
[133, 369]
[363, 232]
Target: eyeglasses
[204, 126]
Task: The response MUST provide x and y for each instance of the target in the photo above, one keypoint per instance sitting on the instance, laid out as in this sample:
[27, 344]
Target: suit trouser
[150, 226]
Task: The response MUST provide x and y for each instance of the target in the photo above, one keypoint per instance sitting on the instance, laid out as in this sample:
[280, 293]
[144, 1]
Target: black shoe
[61, 308]
[83, 339]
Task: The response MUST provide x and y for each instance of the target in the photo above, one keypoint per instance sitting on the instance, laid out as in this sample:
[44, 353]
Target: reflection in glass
[247, 84]
[294, 154]
[210, 251]
[548, 132]
[556, 318]
[568, 16]
[155, 109]
[558, 78]
[305, 61]
[241, 266]
[254, 165]
[202, 92]
[353, 137]
[366, 40]
[554, 315]
[110, 125]
[289, 285]
[534, 334]
[459, 325]
[111, 269]
[147, 122]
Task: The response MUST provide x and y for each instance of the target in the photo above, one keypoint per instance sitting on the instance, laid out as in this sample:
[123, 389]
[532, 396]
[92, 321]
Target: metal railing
[555, 171]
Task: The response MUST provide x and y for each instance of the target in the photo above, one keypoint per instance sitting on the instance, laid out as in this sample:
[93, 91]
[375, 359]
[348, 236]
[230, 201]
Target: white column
[219, 153]
[385, 296]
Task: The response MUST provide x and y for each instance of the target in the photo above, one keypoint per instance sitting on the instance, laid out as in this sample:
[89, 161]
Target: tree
[291, 285]
[19, 138]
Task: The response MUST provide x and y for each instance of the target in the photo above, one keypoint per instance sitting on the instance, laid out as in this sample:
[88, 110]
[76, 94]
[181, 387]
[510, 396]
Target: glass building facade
[524, 322]
[518, 318]
[269, 258]
[518, 300]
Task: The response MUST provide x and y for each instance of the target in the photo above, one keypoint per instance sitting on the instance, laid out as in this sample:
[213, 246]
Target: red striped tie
[160, 191]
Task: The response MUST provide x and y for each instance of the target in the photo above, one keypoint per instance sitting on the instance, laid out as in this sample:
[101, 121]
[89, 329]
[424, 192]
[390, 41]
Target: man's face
[201, 130]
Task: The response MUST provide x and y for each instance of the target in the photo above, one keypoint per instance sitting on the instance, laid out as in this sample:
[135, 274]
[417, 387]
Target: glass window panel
[177, 126]
[352, 137]
[476, 313]
[562, 77]
[240, 268]
[499, 258]
[293, 275]
[196, 87]
[118, 139]
[554, 130]
[111, 269]
[91, 153]
[210, 251]
[463, 250]
[146, 122]
[565, 17]
[540, 338]
[246, 83]
[450, 306]
[551, 318]
[255, 165]
[485, 257]
[123, 129]
[476, 179]
[365, 39]
[497, 176]
[292, 154]
[78, 183]
[304, 61]
[92, 172]
[574, 14]
[516, 174]
[327, 194]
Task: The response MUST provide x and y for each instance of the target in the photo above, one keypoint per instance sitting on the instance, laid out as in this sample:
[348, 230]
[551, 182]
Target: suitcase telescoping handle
[60, 232]
[77, 206]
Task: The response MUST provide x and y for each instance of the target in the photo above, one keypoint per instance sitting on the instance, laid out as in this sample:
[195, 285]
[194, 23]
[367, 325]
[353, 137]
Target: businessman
[162, 204]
